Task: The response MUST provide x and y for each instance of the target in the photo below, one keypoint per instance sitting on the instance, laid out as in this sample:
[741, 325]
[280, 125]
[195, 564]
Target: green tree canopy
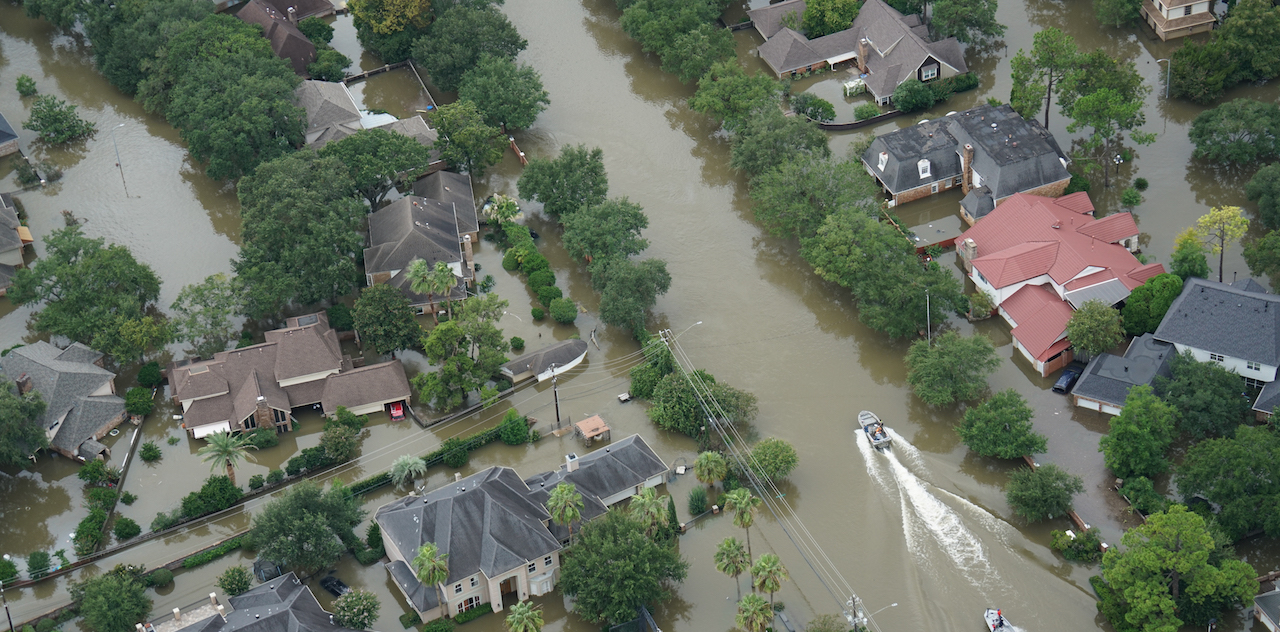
[122, 47]
[92, 293]
[675, 404]
[389, 17]
[628, 289]
[203, 314]
[691, 54]
[1202, 71]
[302, 528]
[113, 602]
[300, 227]
[1116, 13]
[1188, 258]
[727, 93]
[1042, 493]
[1053, 55]
[1263, 257]
[824, 17]
[469, 350]
[458, 40]
[1027, 95]
[357, 610]
[378, 161]
[1241, 474]
[1148, 303]
[770, 138]
[969, 21]
[235, 580]
[613, 568]
[1242, 131]
[913, 95]
[56, 122]
[1001, 427]
[330, 65]
[384, 319]
[1246, 35]
[466, 141]
[1140, 435]
[1095, 327]
[953, 368]
[21, 433]
[773, 459]
[1205, 395]
[1222, 225]
[507, 95]
[812, 106]
[609, 229]
[795, 197]
[1264, 188]
[571, 181]
[1109, 113]
[317, 30]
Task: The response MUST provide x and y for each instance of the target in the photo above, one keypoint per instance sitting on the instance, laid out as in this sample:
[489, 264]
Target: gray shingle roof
[1109, 377]
[768, 19]
[280, 605]
[412, 228]
[328, 104]
[1268, 398]
[978, 202]
[303, 8]
[1249, 285]
[455, 188]
[6, 131]
[67, 380]
[560, 353]
[416, 128]
[422, 597]
[1222, 319]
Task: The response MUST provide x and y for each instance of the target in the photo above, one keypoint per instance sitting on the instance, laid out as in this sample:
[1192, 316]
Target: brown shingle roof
[302, 8]
[412, 228]
[384, 382]
[286, 40]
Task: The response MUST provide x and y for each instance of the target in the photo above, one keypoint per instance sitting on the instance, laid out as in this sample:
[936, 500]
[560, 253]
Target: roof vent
[1057, 225]
[993, 126]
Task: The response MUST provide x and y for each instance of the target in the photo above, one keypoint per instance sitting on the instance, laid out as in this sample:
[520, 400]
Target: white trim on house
[1265, 373]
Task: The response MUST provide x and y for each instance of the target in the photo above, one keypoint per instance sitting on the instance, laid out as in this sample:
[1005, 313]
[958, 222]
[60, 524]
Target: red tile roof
[1145, 272]
[1090, 279]
[1042, 319]
[1112, 228]
[1077, 202]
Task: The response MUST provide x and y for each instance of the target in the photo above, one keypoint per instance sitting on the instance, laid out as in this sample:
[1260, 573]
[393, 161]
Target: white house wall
[1265, 374]
[302, 379]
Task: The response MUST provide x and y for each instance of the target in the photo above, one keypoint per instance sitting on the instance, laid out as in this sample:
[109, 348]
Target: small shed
[591, 429]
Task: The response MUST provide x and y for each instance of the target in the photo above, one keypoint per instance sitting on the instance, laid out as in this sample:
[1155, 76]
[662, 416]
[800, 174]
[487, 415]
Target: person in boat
[999, 619]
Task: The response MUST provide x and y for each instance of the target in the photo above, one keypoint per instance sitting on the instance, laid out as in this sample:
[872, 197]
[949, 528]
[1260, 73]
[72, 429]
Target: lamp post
[6, 604]
[892, 605]
[1167, 74]
[119, 164]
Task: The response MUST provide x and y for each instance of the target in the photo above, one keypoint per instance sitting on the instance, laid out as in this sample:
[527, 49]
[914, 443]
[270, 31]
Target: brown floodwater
[926, 527]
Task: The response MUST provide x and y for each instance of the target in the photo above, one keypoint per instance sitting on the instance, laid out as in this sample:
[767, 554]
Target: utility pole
[555, 392]
[6, 605]
[928, 318]
[119, 164]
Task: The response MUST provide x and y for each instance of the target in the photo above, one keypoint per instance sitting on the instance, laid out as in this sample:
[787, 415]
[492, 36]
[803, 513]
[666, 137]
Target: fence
[642, 623]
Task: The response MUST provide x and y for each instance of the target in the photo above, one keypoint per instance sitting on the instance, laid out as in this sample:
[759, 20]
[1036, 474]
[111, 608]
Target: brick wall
[10, 147]
[911, 195]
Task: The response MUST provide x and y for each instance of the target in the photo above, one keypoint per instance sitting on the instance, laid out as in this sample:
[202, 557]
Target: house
[302, 9]
[281, 29]
[413, 228]
[1040, 258]
[332, 114]
[1267, 605]
[990, 152]
[283, 604]
[14, 237]
[546, 362]
[80, 395]
[8, 138]
[1105, 383]
[452, 188]
[259, 386]
[1178, 18]
[889, 47]
[497, 531]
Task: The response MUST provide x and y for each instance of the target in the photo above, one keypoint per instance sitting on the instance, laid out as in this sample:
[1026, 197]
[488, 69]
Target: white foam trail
[906, 449]
[989, 520]
[869, 457]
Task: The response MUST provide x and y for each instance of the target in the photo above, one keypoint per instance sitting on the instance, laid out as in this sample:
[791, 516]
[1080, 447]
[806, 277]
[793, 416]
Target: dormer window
[923, 166]
[884, 160]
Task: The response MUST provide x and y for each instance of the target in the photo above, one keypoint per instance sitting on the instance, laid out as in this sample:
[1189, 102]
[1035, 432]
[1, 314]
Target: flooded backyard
[946, 543]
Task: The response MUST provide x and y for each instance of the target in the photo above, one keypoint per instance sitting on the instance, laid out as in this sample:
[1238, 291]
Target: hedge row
[371, 483]
[216, 552]
[474, 613]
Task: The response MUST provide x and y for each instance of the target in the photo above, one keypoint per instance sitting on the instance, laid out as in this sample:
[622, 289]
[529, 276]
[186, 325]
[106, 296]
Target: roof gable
[66, 380]
[1218, 318]
[6, 131]
[412, 228]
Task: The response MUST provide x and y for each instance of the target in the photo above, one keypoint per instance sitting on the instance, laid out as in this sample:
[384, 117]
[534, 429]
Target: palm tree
[710, 467]
[406, 468]
[431, 567]
[649, 510]
[225, 450]
[524, 617]
[422, 280]
[754, 615]
[503, 209]
[731, 559]
[769, 573]
[744, 505]
[565, 506]
[445, 280]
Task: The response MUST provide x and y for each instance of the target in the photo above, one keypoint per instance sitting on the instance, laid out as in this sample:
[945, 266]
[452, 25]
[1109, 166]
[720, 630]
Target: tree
[796, 196]
[138, 402]
[913, 95]
[768, 573]
[1093, 71]
[710, 467]
[773, 459]
[21, 433]
[676, 405]
[1053, 55]
[827, 623]
[113, 602]
[609, 229]
[731, 559]
[339, 443]
[1168, 567]
[384, 319]
[744, 506]
[1095, 327]
[378, 161]
[953, 370]
[330, 65]
[142, 31]
[431, 567]
[459, 38]
[1264, 188]
[754, 613]
[727, 93]
[56, 121]
[969, 21]
[650, 510]
[357, 610]
[391, 48]
[1116, 12]
[769, 137]
[692, 53]
[1109, 114]
[508, 96]
[91, 292]
[565, 506]
[125, 528]
[1148, 303]
[225, 450]
[1044, 492]
[1001, 427]
[466, 141]
[629, 289]
[1244, 33]
[389, 17]
[824, 17]
[813, 107]
[235, 580]
[1188, 258]
[1202, 71]
[1221, 226]
[1263, 257]
[524, 617]
[303, 527]
[1240, 475]
[563, 310]
[1239, 132]
[614, 568]
[431, 281]
[406, 468]
[1140, 435]
[563, 185]
[26, 86]
[37, 565]
[1206, 396]
[317, 30]
[1026, 97]
[448, 386]
[203, 313]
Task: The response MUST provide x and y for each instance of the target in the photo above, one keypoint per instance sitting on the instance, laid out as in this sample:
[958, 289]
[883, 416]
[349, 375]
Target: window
[533, 567]
[956, 182]
[457, 589]
[1253, 384]
[474, 582]
[546, 561]
[1186, 10]
[468, 604]
[929, 73]
[934, 188]
[1254, 366]
[1213, 357]
[923, 166]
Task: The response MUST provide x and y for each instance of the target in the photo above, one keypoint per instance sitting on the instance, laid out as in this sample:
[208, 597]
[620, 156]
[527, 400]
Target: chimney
[213, 599]
[467, 256]
[222, 612]
[24, 384]
[966, 178]
[262, 414]
[293, 16]
[969, 249]
[862, 56]
[571, 462]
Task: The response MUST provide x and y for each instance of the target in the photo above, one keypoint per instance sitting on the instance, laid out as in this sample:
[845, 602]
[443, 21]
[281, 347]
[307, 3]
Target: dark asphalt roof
[6, 131]
[978, 202]
[66, 379]
[447, 186]
[1109, 377]
[560, 353]
[412, 228]
[1219, 318]
[280, 605]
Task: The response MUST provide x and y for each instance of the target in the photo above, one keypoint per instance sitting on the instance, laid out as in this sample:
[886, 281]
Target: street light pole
[1167, 74]
[555, 393]
[6, 605]
[119, 164]
[928, 318]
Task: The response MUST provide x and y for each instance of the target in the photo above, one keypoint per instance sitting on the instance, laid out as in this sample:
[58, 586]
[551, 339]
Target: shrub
[439, 625]
[27, 174]
[174, 440]
[812, 107]
[1144, 496]
[1130, 198]
[373, 536]
[88, 533]
[356, 610]
[474, 613]
[517, 343]
[37, 564]
[164, 521]
[149, 452]
[1141, 184]
[8, 570]
[373, 482]
[866, 111]
[913, 96]
[457, 455]
[46, 625]
[102, 497]
[511, 260]
[367, 557]
[275, 476]
[235, 580]
[411, 618]
[1085, 547]
[698, 501]
[563, 310]
[514, 428]
[773, 459]
[26, 86]
[149, 376]
[160, 577]
[340, 317]
[547, 294]
[217, 493]
[128, 498]
[205, 557]
[125, 528]
[257, 481]
[541, 278]
[138, 401]
[533, 262]
[94, 472]
[537, 313]
[263, 438]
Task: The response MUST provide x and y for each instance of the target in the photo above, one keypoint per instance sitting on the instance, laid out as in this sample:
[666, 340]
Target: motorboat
[995, 620]
[877, 434]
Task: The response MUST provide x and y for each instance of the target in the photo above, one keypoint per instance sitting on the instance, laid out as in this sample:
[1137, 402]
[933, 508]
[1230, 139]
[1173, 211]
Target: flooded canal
[926, 527]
